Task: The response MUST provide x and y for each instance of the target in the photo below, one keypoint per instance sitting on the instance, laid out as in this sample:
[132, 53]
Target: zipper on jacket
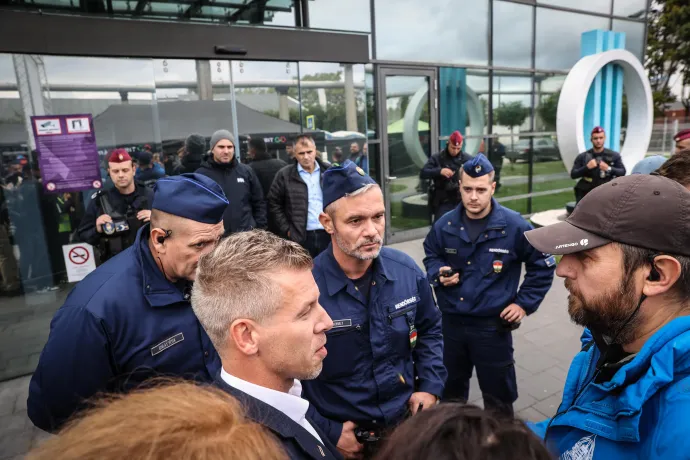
[344, 330]
[392, 316]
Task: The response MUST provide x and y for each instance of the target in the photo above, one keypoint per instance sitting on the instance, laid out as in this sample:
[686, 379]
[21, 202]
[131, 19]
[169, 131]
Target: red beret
[597, 130]
[119, 156]
[455, 138]
[682, 135]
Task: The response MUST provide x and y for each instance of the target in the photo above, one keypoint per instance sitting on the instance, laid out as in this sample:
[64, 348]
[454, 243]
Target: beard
[608, 313]
[354, 250]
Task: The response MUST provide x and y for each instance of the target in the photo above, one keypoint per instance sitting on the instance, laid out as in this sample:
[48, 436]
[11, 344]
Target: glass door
[408, 114]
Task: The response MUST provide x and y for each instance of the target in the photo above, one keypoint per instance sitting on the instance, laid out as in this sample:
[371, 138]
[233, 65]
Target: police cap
[342, 180]
[478, 166]
[192, 196]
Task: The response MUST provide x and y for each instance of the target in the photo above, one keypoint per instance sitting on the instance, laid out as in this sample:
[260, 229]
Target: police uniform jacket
[140, 199]
[490, 267]
[369, 372]
[123, 324]
[445, 189]
[297, 442]
[591, 178]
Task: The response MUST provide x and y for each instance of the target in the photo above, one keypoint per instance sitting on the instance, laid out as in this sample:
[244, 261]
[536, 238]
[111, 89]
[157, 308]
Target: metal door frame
[382, 114]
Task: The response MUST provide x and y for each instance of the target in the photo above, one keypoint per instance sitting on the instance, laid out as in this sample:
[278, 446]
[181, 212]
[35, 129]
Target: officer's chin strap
[600, 363]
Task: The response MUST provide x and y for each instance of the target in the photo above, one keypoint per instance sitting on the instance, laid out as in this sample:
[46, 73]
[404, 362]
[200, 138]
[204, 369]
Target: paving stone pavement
[544, 347]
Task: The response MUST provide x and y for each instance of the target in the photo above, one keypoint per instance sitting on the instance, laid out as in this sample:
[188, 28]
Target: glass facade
[492, 69]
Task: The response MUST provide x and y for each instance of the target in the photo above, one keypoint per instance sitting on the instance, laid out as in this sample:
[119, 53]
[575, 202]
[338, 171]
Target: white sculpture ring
[571, 106]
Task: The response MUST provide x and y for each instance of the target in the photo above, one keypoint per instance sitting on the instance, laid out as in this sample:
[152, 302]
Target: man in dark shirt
[596, 166]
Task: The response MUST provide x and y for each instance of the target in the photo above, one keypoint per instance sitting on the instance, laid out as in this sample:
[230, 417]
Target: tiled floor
[544, 347]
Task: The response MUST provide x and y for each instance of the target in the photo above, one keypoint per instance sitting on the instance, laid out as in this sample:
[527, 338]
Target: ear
[245, 336]
[669, 270]
[327, 223]
[155, 234]
[493, 188]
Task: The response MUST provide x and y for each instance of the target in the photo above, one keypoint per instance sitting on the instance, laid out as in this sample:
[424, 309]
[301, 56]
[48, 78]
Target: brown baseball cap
[650, 212]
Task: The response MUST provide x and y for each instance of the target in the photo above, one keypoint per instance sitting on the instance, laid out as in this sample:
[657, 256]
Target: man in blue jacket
[385, 348]
[131, 319]
[627, 394]
[474, 256]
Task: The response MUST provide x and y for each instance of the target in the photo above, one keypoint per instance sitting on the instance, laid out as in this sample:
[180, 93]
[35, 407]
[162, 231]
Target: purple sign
[68, 155]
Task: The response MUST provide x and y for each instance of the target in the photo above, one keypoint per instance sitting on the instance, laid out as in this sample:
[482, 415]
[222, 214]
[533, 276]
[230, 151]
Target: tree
[547, 111]
[668, 50]
[511, 115]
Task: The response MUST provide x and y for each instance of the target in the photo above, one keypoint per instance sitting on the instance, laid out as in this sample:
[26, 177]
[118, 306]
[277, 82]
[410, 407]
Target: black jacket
[591, 178]
[266, 169]
[444, 190]
[247, 208]
[191, 162]
[297, 442]
[288, 202]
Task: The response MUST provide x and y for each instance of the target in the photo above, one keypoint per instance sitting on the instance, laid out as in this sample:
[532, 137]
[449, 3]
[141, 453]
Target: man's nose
[566, 267]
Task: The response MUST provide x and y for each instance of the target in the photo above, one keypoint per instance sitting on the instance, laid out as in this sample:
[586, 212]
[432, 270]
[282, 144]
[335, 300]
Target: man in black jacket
[269, 332]
[295, 200]
[194, 152]
[264, 165]
[247, 208]
[442, 168]
[596, 166]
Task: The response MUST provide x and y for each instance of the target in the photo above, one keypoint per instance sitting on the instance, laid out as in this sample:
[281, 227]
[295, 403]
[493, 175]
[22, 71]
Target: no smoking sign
[79, 261]
[79, 255]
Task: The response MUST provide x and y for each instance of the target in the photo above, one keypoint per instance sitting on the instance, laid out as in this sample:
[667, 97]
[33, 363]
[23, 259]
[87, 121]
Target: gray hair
[234, 280]
[331, 208]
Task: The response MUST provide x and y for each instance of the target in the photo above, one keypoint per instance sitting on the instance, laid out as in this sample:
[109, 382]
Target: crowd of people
[313, 340]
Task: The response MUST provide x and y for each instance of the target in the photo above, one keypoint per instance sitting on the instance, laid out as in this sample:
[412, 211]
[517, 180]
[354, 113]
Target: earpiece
[161, 239]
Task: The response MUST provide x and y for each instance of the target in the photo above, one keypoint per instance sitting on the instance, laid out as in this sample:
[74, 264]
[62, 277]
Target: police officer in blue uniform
[473, 260]
[385, 350]
[131, 319]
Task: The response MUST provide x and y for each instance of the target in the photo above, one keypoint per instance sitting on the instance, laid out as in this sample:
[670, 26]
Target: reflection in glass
[630, 8]
[333, 102]
[406, 31]
[512, 101]
[350, 15]
[512, 49]
[409, 147]
[558, 37]
[595, 6]
[634, 35]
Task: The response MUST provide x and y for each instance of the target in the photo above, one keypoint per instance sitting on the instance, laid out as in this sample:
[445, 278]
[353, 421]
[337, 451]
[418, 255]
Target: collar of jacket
[336, 279]
[213, 164]
[273, 419]
[613, 409]
[497, 218]
[158, 291]
[295, 171]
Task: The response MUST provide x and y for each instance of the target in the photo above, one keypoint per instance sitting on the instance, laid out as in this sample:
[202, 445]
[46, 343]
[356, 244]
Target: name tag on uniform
[240, 180]
[341, 323]
[406, 302]
[167, 343]
[451, 251]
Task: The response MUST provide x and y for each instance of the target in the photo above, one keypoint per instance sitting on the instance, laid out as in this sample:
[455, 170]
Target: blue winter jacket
[641, 413]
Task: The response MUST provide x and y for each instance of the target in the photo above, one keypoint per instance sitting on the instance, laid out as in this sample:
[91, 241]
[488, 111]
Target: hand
[347, 444]
[144, 214]
[603, 166]
[427, 399]
[448, 280]
[447, 173]
[513, 313]
[592, 164]
[104, 219]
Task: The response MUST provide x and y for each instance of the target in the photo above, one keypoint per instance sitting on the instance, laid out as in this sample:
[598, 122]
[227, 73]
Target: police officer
[113, 216]
[443, 168]
[131, 318]
[682, 140]
[473, 260]
[387, 329]
[596, 166]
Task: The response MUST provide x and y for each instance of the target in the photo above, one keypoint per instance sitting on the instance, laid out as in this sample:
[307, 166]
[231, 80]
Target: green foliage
[511, 114]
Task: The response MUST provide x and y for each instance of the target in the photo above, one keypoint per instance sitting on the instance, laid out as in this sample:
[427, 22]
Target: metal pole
[233, 109]
[663, 139]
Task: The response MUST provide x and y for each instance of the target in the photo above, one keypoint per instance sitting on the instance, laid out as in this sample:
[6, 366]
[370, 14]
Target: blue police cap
[342, 180]
[477, 166]
[649, 164]
[192, 196]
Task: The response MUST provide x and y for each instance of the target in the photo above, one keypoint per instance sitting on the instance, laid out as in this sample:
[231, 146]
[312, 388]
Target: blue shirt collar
[300, 169]
[157, 289]
[336, 279]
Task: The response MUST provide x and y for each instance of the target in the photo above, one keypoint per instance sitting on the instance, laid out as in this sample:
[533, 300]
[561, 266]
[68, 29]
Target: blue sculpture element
[604, 105]
[453, 101]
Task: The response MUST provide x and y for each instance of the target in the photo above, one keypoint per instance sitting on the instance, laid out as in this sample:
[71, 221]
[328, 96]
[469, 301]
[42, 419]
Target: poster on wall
[67, 152]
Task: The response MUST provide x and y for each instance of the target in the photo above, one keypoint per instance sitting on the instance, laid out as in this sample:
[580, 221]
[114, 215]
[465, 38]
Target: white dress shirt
[288, 403]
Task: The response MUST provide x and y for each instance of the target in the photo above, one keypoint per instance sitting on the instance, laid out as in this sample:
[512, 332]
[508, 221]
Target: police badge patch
[360, 171]
[478, 169]
[498, 266]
